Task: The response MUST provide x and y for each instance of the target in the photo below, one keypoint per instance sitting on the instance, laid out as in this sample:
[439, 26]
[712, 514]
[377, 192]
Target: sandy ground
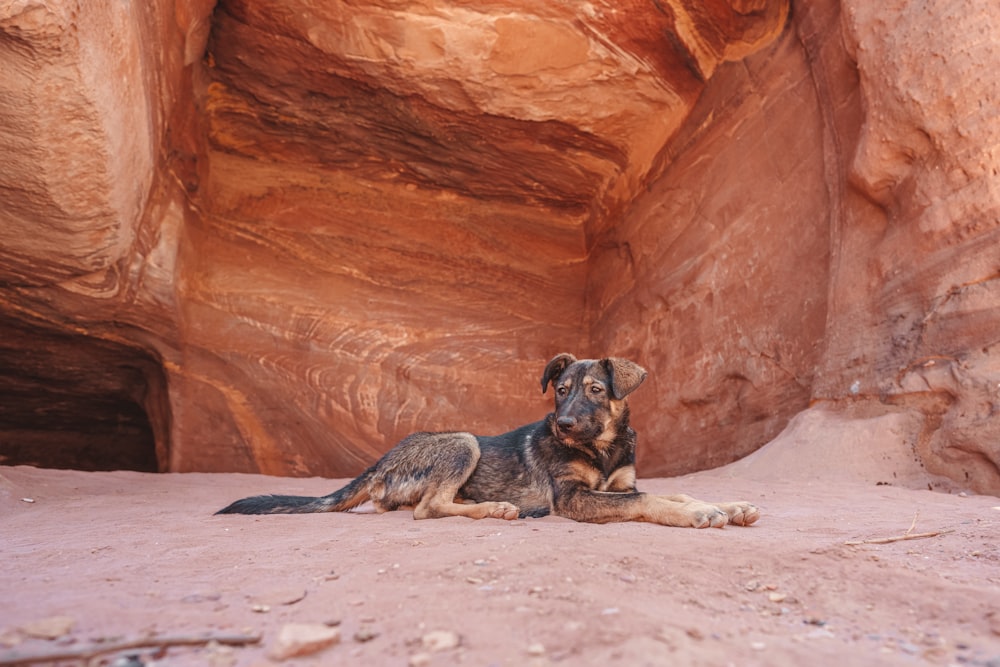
[124, 555]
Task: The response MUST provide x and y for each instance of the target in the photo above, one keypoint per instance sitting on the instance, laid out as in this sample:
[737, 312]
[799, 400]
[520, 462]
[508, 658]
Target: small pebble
[365, 635]
[52, 627]
[536, 649]
[278, 596]
[298, 639]
[420, 660]
[440, 640]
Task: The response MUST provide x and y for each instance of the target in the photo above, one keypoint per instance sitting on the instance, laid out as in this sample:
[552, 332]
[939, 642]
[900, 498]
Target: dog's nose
[565, 423]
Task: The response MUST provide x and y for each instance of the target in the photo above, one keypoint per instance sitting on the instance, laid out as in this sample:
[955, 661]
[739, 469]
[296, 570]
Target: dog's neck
[620, 429]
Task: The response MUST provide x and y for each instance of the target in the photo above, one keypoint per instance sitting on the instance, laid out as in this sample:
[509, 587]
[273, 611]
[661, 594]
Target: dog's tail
[352, 495]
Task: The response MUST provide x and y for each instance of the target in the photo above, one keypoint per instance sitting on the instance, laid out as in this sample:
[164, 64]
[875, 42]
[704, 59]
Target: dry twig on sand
[898, 538]
[88, 653]
[908, 535]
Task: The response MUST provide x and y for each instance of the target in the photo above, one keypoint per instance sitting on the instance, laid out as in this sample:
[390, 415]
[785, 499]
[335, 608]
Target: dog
[578, 462]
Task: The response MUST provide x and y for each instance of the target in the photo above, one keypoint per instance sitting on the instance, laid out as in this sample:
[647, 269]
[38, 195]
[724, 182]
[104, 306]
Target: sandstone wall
[855, 272]
[717, 274]
[922, 250]
[271, 236]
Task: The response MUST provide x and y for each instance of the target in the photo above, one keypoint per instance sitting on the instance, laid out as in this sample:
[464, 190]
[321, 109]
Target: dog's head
[590, 396]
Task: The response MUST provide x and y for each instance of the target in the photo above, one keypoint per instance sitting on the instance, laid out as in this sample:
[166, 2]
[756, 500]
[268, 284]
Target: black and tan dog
[578, 462]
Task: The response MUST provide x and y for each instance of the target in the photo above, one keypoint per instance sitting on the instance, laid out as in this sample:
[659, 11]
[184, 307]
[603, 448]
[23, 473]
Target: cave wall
[916, 280]
[304, 232]
[820, 240]
[94, 111]
[717, 274]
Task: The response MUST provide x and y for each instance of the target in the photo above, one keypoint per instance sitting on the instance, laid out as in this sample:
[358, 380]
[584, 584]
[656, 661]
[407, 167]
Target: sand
[125, 555]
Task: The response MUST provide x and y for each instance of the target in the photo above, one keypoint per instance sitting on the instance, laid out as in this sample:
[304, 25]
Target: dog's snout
[566, 423]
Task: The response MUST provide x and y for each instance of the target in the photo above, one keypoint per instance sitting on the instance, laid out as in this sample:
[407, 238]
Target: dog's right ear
[555, 368]
[625, 376]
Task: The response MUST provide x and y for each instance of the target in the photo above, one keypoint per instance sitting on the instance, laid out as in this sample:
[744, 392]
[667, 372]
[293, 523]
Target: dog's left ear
[626, 376]
[554, 368]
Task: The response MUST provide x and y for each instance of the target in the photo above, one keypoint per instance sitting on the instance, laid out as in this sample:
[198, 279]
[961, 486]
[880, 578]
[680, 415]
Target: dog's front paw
[740, 513]
[684, 512]
[703, 515]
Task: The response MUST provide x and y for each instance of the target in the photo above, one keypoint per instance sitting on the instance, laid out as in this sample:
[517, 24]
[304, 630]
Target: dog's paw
[703, 515]
[684, 512]
[502, 510]
[740, 513]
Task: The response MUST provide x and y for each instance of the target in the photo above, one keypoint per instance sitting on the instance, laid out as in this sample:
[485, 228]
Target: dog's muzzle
[565, 425]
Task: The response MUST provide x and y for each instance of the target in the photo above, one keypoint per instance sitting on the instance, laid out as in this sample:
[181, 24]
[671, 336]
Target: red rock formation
[856, 270]
[287, 234]
[928, 162]
[717, 275]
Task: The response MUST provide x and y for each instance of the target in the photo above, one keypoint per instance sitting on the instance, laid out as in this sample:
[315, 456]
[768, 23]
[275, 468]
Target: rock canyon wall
[278, 236]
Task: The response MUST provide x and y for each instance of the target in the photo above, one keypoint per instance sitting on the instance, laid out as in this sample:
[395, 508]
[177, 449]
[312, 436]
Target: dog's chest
[613, 468]
[619, 479]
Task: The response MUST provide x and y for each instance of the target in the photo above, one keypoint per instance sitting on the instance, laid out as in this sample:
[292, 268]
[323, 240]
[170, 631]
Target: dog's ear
[626, 376]
[555, 368]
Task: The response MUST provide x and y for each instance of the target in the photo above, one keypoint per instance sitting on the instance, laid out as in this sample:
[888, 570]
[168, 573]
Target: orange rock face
[278, 236]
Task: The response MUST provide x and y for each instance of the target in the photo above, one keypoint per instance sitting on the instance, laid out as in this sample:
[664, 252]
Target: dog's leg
[683, 511]
[739, 513]
[448, 459]
[436, 505]
[582, 504]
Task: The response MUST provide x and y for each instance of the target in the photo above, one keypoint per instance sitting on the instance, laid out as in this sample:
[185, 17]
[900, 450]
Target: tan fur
[622, 479]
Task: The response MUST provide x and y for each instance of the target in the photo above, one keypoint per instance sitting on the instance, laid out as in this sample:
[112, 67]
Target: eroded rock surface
[77, 143]
[286, 234]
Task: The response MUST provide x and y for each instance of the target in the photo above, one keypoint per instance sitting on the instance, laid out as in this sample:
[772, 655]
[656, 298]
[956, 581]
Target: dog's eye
[561, 391]
[596, 389]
